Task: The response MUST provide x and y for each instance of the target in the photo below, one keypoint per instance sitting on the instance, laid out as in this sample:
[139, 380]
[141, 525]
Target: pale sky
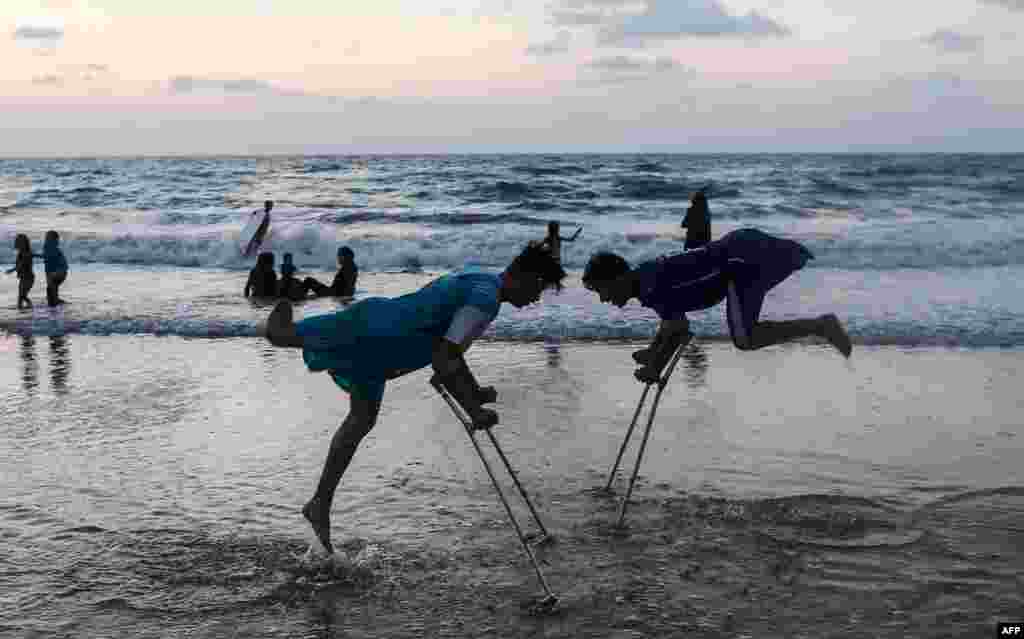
[115, 77]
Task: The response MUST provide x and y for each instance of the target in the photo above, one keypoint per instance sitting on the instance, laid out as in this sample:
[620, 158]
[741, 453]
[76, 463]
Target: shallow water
[151, 488]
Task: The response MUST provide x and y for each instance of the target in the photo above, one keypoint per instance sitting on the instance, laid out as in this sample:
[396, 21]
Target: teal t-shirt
[377, 336]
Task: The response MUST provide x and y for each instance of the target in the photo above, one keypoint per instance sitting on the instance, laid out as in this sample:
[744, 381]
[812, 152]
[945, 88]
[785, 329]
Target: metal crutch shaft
[468, 425]
[625, 440]
[515, 480]
[647, 433]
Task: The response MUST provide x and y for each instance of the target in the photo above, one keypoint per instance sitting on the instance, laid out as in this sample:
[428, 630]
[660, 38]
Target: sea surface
[910, 249]
[155, 452]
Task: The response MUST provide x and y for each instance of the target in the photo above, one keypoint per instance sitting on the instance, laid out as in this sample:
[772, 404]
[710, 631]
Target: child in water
[289, 287]
[23, 267]
[56, 266]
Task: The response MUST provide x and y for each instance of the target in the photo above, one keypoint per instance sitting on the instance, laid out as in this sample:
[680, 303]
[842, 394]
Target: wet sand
[153, 488]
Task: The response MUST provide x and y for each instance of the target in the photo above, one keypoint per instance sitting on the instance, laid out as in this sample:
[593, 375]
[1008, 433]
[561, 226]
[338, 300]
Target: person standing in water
[56, 266]
[741, 267]
[554, 240]
[261, 230]
[697, 221]
[378, 339]
[23, 267]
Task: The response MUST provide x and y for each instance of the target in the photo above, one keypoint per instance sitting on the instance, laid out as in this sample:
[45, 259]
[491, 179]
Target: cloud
[50, 79]
[633, 23]
[41, 36]
[1012, 5]
[75, 73]
[560, 44]
[579, 13]
[952, 42]
[621, 69]
[668, 19]
[38, 32]
[184, 84]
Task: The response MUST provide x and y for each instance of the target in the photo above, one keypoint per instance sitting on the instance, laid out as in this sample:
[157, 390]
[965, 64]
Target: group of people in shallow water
[54, 263]
[263, 280]
[378, 339]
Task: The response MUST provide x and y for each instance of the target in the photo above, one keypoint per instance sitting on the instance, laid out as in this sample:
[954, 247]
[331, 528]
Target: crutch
[549, 598]
[661, 382]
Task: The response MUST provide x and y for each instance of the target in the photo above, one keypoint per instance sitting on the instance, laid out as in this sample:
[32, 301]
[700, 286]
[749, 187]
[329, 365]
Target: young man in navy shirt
[740, 267]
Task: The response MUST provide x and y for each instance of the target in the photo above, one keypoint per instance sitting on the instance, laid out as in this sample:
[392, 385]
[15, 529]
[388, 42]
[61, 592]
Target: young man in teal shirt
[378, 339]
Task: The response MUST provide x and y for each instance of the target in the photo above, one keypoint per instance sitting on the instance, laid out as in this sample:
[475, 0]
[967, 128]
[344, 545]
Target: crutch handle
[482, 420]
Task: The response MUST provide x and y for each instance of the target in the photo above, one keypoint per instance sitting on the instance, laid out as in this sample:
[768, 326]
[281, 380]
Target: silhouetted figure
[262, 280]
[23, 267]
[740, 268]
[553, 241]
[60, 364]
[261, 230]
[379, 339]
[344, 284]
[697, 221]
[56, 267]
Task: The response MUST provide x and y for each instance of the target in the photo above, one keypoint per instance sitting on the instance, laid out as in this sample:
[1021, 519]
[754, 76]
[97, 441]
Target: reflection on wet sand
[695, 359]
[30, 370]
[60, 364]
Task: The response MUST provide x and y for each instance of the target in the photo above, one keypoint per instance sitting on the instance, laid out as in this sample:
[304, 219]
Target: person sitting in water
[378, 339]
[554, 240]
[697, 221]
[344, 284]
[740, 267]
[289, 287]
[262, 280]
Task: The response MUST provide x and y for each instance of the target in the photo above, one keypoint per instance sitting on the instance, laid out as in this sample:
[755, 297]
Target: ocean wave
[831, 186]
[647, 188]
[546, 171]
[457, 238]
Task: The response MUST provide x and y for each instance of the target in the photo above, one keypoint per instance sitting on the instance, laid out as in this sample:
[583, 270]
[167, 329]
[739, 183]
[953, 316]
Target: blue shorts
[351, 347]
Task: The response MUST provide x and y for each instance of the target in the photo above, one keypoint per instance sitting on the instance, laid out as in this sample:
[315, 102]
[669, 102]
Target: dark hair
[51, 236]
[21, 242]
[287, 257]
[553, 225]
[538, 260]
[265, 259]
[267, 203]
[603, 267]
[346, 252]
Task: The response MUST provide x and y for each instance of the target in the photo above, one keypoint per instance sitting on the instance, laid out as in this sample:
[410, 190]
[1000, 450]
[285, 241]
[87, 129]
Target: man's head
[265, 260]
[553, 227]
[345, 253]
[267, 205]
[604, 275]
[533, 270]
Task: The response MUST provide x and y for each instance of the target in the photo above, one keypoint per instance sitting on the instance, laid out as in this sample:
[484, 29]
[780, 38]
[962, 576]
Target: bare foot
[836, 335]
[280, 326]
[321, 523]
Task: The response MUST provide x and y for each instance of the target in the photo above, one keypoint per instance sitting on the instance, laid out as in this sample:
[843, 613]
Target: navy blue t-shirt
[676, 284]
